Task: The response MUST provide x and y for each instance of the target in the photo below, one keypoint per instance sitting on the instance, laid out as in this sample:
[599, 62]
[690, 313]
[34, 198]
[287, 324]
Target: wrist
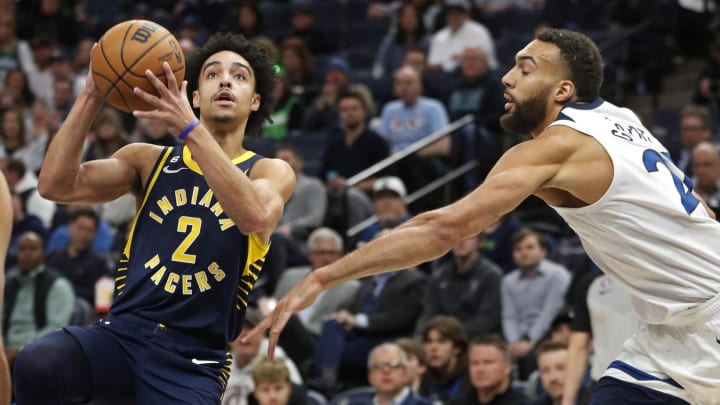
[189, 128]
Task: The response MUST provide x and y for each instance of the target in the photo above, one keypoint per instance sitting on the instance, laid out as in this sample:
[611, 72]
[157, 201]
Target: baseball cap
[390, 183]
[462, 4]
[339, 64]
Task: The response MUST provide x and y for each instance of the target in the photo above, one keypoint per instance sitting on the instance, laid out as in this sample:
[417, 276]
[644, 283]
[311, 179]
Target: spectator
[466, 287]
[477, 92]
[16, 83]
[297, 63]
[303, 27]
[273, 385]
[306, 209]
[353, 147]
[14, 137]
[37, 299]
[490, 374]
[23, 183]
[408, 33]
[409, 119]
[325, 246]
[78, 261]
[154, 132]
[109, 135]
[8, 46]
[445, 346]
[80, 64]
[63, 96]
[461, 32]
[416, 58]
[695, 127]
[531, 295]
[240, 384]
[384, 308]
[497, 242]
[417, 361]
[22, 222]
[387, 374]
[707, 90]
[249, 19]
[706, 166]
[60, 237]
[389, 203]
[322, 113]
[54, 19]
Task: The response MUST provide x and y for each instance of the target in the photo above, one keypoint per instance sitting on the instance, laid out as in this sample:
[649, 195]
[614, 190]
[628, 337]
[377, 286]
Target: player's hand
[90, 89]
[297, 299]
[172, 105]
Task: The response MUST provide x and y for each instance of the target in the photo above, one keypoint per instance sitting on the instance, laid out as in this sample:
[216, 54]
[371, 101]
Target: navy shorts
[157, 365]
[611, 391]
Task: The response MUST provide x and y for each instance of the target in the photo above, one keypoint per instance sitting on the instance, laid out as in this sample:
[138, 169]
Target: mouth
[510, 102]
[224, 98]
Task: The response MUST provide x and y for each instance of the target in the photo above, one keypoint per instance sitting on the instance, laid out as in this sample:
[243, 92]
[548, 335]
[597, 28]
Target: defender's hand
[297, 299]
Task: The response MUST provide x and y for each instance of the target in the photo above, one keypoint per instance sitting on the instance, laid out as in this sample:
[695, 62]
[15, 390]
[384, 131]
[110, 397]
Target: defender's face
[226, 89]
[528, 87]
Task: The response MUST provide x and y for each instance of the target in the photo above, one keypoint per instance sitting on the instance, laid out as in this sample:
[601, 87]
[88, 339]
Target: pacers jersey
[648, 231]
[186, 265]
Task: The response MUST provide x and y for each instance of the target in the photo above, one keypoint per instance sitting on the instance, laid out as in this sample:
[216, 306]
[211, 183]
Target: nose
[226, 82]
[506, 81]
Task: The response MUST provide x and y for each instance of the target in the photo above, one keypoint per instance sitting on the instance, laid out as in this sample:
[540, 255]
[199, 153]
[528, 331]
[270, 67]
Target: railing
[401, 154]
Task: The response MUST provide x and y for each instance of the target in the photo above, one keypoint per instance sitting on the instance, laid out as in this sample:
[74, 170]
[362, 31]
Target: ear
[195, 99]
[255, 103]
[565, 92]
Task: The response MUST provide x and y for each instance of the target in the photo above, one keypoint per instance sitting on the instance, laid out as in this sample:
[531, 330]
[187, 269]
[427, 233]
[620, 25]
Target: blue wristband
[188, 128]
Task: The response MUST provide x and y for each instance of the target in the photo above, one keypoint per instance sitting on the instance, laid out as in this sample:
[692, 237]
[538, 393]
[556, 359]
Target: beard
[222, 118]
[527, 116]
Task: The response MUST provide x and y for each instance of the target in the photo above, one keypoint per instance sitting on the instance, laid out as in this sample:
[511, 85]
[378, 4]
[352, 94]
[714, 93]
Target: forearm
[62, 161]
[421, 239]
[232, 188]
[575, 365]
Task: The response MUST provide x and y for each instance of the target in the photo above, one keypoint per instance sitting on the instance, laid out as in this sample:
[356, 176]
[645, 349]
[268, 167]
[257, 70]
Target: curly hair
[259, 61]
[582, 60]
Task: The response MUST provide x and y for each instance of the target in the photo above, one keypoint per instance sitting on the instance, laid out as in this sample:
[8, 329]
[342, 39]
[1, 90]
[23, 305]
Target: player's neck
[230, 138]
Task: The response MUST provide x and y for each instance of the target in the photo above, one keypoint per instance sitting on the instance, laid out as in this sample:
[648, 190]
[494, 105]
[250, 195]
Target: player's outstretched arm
[523, 170]
[64, 179]
[575, 365]
[5, 228]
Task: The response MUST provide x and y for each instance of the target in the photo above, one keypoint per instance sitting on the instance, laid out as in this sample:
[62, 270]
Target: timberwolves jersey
[186, 264]
[648, 231]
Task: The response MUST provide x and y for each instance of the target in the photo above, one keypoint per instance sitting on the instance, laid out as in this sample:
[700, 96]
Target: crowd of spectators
[358, 82]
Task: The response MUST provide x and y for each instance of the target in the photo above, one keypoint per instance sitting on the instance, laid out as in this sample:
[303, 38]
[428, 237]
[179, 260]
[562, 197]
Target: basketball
[123, 55]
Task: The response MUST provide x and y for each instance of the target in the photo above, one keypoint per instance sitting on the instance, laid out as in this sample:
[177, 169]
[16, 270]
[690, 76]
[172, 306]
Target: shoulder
[489, 268]
[431, 103]
[275, 170]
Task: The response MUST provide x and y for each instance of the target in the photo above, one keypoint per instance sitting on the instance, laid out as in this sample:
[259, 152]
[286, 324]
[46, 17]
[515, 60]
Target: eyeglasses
[394, 365]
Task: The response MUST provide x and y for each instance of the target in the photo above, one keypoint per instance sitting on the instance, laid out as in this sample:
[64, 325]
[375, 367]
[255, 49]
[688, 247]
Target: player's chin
[223, 117]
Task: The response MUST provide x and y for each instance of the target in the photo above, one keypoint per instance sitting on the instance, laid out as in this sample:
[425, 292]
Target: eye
[211, 75]
[240, 76]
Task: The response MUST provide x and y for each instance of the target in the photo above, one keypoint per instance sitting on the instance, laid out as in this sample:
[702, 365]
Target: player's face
[488, 367]
[387, 374]
[552, 372]
[440, 350]
[226, 92]
[530, 87]
[272, 392]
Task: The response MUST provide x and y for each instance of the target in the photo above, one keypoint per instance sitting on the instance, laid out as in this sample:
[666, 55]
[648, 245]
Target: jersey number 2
[651, 159]
[180, 254]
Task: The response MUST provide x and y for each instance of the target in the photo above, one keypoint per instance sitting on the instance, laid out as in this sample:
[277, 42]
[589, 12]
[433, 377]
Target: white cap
[391, 183]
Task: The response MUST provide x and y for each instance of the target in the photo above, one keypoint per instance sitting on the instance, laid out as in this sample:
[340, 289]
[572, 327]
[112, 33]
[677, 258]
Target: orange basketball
[123, 55]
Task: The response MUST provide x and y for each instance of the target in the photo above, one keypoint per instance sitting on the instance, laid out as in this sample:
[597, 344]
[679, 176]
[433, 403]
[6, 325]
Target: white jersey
[648, 231]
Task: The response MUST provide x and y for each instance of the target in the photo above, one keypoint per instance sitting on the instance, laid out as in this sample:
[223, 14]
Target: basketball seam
[142, 55]
[113, 84]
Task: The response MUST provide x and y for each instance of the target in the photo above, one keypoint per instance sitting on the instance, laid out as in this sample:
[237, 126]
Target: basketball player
[205, 214]
[615, 185]
[6, 221]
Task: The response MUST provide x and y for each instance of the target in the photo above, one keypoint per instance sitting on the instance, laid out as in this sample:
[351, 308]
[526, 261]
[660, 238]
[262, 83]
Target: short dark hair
[700, 112]
[493, 340]
[353, 94]
[523, 233]
[413, 347]
[582, 60]
[16, 166]
[257, 57]
[548, 346]
[85, 212]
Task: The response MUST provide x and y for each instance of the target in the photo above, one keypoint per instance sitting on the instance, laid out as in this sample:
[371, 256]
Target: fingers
[147, 97]
[170, 76]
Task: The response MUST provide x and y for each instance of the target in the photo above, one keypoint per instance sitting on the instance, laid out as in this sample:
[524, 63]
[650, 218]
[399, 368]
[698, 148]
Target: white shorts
[679, 360]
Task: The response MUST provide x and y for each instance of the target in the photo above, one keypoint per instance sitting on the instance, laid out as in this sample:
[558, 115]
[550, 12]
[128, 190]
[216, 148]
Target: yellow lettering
[171, 282]
[216, 271]
[180, 197]
[153, 262]
[216, 209]
[186, 284]
[202, 281]
[158, 276]
[205, 202]
[165, 205]
[193, 198]
[156, 217]
[226, 223]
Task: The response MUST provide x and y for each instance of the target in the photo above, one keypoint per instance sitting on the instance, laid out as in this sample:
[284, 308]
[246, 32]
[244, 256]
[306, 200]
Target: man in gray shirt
[531, 296]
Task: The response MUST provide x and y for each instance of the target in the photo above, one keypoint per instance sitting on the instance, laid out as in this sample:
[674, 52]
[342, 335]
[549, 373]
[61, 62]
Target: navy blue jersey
[186, 265]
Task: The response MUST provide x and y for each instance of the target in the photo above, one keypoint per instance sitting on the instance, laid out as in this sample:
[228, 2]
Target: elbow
[446, 233]
[46, 189]
[254, 223]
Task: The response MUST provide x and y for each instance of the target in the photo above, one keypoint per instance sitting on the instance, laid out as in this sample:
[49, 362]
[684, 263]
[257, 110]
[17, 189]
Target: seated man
[551, 357]
[37, 299]
[490, 370]
[387, 373]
